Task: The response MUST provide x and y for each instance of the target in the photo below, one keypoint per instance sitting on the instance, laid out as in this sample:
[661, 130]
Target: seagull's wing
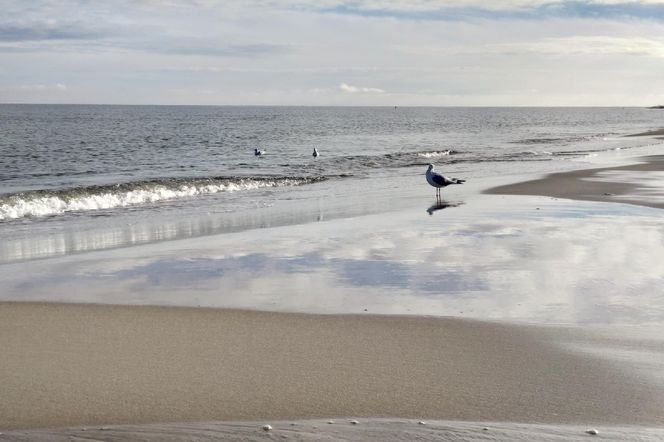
[439, 179]
[458, 181]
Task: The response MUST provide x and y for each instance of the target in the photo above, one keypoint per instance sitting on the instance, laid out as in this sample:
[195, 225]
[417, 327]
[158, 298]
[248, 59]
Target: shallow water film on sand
[513, 258]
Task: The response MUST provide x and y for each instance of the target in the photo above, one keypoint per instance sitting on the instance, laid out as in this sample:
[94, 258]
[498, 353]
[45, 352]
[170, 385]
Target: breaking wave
[436, 154]
[42, 203]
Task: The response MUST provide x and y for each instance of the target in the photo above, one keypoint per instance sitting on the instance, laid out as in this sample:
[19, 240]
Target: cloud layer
[331, 52]
[365, 90]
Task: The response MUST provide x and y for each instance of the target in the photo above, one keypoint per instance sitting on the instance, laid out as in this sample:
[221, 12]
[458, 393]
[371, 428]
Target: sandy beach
[117, 372]
[649, 133]
[67, 365]
[624, 184]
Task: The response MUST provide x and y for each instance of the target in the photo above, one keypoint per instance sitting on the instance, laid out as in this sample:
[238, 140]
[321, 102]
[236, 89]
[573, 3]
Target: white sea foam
[33, 204]
[435, 154]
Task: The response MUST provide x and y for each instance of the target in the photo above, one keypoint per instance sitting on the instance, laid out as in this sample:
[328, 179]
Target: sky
[333, 52]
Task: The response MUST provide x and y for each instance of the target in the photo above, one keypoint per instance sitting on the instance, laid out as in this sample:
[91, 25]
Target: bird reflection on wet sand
[443, 205]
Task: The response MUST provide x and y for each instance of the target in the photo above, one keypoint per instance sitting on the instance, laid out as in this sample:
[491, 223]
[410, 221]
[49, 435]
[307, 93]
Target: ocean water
[75, 178]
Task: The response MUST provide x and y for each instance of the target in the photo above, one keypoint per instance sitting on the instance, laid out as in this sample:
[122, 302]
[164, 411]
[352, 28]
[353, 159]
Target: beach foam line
[42, 203]
[343, 429]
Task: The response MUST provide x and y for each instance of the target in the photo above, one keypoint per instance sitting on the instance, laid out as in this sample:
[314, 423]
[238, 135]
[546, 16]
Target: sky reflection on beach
[519, 259]
[648, 184]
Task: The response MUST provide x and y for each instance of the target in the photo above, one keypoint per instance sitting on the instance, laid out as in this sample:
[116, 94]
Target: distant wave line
[564, 140]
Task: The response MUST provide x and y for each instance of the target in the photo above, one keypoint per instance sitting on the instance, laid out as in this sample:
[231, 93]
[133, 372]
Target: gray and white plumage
[258, 152]
[438, 181]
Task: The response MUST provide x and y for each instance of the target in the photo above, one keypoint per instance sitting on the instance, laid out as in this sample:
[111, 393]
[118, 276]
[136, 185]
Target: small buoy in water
[267, 427]
[592, 431]
[354, 422]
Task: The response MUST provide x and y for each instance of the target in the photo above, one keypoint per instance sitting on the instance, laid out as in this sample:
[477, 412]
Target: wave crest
[436, 154]
[42, 203]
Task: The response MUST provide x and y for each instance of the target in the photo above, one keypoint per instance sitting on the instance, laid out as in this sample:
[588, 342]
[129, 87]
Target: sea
[75, 178]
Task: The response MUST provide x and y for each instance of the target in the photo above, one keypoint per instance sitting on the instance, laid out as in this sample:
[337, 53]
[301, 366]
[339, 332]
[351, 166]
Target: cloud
[464, 9]
[587, 46]
[174, 27]
[44, 31]
[43, 87]
[365, 90]
[299, 52]
[420, 5]
[203, 47]
[14, 39]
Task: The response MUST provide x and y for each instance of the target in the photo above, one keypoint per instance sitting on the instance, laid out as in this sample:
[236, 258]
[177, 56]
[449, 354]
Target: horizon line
[332, 105]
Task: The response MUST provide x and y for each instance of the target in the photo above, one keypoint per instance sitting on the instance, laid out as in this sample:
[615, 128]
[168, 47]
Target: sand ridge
[580, 185]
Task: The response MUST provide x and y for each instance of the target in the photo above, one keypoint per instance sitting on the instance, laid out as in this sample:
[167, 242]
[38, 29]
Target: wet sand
[333, 430]
[586, 184]
[649, 133]
[68, 364]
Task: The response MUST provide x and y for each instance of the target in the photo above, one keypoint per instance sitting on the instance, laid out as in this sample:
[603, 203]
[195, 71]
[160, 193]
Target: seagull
[438, 181]
[315, 154]
[258, 152]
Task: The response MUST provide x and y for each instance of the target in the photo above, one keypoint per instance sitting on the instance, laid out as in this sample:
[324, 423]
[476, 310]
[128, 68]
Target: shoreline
[74, 364]
[589, 185]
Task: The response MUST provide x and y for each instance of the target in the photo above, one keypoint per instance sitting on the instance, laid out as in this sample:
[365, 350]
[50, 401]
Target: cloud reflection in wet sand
[564, 263]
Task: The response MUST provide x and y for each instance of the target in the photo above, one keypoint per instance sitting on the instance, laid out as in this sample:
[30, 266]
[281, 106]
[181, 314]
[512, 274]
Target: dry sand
[66, 364]
[577, 185]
